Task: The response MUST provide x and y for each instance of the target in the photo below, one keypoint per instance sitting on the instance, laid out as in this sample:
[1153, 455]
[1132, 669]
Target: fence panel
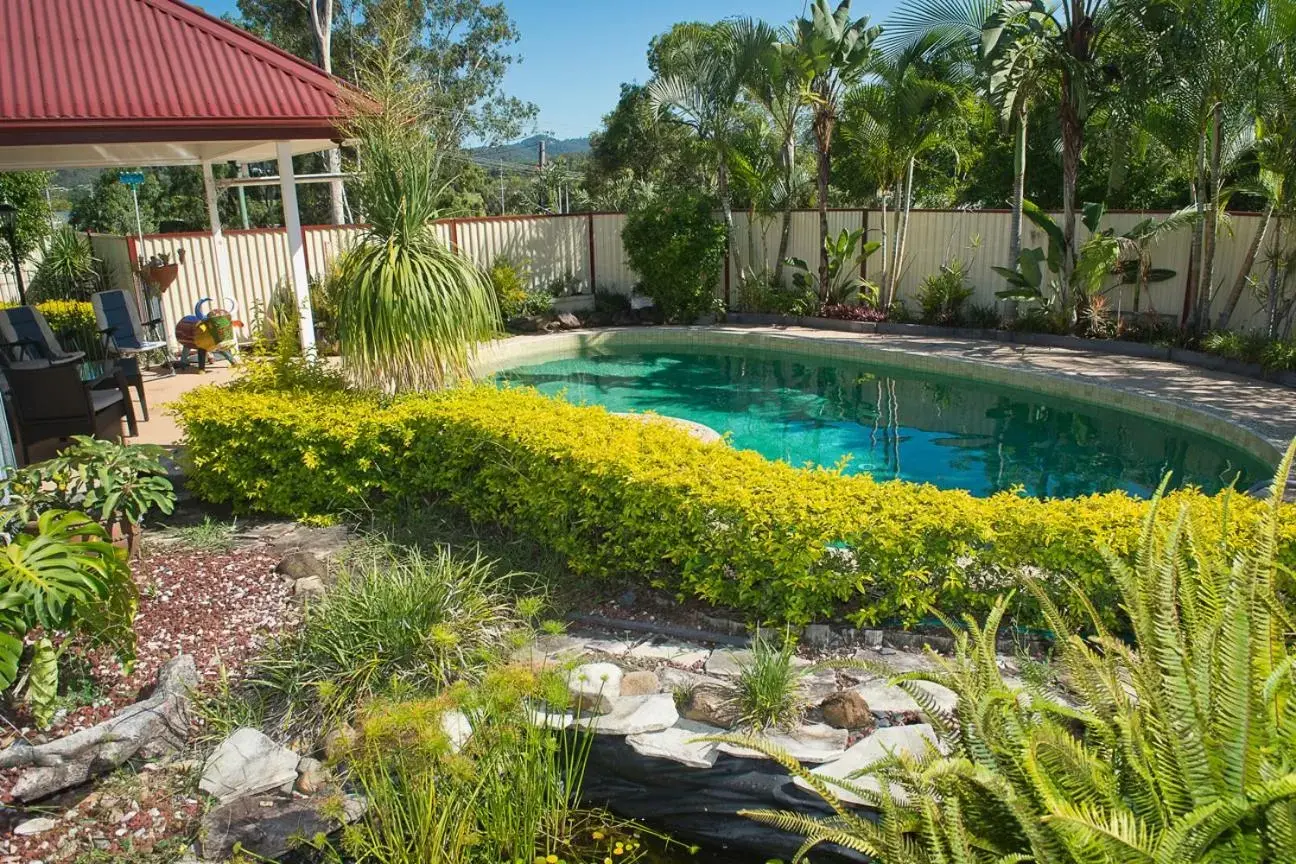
[553, 247]
[611, 266]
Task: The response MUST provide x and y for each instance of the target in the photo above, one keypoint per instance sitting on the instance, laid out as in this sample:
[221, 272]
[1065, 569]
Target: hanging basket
[160, 276]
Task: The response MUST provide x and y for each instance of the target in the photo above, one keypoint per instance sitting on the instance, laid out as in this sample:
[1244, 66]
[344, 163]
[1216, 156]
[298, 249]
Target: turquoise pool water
[954, 433]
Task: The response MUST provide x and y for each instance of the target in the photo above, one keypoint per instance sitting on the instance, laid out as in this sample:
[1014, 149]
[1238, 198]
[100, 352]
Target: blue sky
[576, 53]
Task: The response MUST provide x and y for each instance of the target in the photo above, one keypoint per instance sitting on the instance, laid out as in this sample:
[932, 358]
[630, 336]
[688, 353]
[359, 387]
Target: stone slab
[885, 698]
[676, 655]
[883, 742]
[729, 662]
[679, 744]
[248, 762]
[635, 715]
[812, 742]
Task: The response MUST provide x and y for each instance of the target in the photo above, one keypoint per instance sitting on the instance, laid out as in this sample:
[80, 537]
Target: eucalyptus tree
[830, 53]
[904, 111]
[1007, 53]
[708, 65]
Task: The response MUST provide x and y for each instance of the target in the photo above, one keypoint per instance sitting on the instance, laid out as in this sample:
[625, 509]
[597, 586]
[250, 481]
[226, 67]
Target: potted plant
[160, 272]
[117, 484]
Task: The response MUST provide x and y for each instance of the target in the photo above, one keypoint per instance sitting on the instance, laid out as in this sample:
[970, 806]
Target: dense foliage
[618, 497]
[677, 246]
[1176, 746]
[59, 574]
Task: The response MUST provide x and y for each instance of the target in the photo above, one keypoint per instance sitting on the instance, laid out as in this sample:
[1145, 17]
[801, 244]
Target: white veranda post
[296, 246]
[224, 282]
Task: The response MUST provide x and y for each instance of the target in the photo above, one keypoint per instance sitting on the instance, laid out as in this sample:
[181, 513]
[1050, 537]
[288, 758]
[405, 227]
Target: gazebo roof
[150, 82]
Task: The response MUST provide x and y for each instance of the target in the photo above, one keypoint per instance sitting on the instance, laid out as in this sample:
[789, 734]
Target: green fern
[1176, 746]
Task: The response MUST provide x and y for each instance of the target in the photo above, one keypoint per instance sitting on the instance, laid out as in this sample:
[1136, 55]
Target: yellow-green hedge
[617, 496]
[73, 323]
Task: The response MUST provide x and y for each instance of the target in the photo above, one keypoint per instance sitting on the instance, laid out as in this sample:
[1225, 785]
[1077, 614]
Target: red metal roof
[119, 71]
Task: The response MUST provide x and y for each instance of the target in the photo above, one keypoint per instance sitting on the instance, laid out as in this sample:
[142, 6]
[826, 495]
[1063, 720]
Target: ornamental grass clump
[767, 692]
[396, 622]
[1179, 745]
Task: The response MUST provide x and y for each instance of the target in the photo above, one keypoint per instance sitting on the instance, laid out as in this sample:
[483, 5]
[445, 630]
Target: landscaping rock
[594, 687]
[339, 742]
[817, 635]
[813, 742]
[310, 588]
[728, 663]
[817, 686]
[885, 698]
[269, 826]
[569, 321]
[711, 705]
[549, 651]
[911, 739]
[457, 728]
[323, 542]
[311, 776]
[38, 825]
[847, 710]
[301, 565]
[248, 762]
[633, 715]
[679, 744]
[641, 683]
[151, 728]
[676, 655]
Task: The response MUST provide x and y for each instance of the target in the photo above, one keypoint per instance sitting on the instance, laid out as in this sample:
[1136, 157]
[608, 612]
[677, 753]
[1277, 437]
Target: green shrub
[618, 497]
[677, 247]
[1178, 745]
[942, 295]
[1251, 348]
[768, 687]
[73, 323]
[67, 269]
[509, 279]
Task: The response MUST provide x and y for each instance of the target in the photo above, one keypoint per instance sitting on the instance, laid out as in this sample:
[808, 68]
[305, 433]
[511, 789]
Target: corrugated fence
[586, 248]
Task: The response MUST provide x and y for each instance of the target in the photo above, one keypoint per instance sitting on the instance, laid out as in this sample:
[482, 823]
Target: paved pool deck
[1255, 415]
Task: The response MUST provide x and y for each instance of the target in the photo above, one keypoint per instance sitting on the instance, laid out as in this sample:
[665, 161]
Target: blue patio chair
[118, 319]
[26, 339]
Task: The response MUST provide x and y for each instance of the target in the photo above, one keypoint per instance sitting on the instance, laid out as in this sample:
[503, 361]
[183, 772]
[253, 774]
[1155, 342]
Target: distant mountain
[527, 150]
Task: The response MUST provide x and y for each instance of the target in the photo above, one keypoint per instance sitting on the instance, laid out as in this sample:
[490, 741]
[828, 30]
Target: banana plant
[64, 576]
[845, 253]
[1038, 274]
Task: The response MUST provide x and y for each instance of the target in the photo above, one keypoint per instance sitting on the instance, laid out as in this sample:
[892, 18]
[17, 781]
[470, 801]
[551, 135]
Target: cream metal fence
[587, 249]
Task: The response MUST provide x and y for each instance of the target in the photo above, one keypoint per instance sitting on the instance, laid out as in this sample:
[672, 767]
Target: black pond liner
[700, 805]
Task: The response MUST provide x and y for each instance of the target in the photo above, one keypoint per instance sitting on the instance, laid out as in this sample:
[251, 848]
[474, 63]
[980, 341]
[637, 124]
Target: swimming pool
[952, 432]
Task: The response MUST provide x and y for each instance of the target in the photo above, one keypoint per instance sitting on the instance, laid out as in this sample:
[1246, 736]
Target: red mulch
[220, 607]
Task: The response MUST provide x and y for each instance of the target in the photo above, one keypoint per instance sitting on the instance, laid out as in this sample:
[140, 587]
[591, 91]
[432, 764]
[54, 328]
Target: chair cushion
[105, 399]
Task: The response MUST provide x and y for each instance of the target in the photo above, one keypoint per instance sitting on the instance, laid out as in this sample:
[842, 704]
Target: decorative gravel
[221, 607]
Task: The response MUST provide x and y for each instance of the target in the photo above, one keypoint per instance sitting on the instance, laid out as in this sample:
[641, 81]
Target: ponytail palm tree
[410, 310]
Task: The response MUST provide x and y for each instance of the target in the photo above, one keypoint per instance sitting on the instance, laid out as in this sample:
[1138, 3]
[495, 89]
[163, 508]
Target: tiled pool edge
[895, 353]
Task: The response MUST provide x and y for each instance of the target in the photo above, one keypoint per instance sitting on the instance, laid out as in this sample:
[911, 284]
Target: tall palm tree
[830, 54]
[904, 112]
[1066, 39]
[776, 85]
[1009, 66]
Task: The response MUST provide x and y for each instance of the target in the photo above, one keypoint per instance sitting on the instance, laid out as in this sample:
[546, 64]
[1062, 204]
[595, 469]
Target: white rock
[610, 647]
[729, 662]
[812, 742]
[886, 698]
[456, 727]
[635, 715]
[679, 744]
[246, 763]
[39, 825]
[595, 686]
[550, 720]
[897, 661]
[883, 742]
[549, 651]
[818, 686]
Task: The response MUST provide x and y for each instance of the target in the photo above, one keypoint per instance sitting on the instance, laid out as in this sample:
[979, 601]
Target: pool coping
[1255, 416]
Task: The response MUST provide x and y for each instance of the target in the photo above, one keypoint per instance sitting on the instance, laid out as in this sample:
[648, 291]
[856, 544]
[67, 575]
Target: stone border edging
[1148, 350]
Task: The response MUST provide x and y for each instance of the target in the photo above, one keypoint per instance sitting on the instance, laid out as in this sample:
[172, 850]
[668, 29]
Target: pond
[952, 432]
